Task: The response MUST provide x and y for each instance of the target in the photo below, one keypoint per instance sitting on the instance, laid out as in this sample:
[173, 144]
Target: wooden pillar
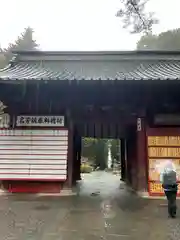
[78, 158]
[74, 159]
[76, 155]
[123, 160]
[129, 161]
[69, 181]
[142, 184]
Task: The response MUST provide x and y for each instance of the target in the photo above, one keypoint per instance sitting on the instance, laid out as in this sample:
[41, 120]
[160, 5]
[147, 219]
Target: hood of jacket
[169, 166]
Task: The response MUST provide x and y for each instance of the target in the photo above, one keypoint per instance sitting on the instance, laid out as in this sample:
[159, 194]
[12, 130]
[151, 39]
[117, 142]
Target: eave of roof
[103, 65]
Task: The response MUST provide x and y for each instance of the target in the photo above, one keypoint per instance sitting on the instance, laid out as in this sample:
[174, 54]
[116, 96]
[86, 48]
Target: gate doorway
[99, 154]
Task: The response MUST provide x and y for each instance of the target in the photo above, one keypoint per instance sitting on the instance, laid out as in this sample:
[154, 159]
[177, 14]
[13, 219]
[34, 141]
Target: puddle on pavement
[111, 213]
[42, 208]
[102, 184]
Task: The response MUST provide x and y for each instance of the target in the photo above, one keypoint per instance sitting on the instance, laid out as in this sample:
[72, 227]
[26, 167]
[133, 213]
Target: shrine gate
[49, 100]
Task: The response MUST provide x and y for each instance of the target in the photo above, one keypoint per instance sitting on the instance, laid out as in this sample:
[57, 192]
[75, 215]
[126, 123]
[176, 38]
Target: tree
[133, 15]
[96, 151]
[2, 59]
[88, 148]
[101, 153]
[147, 42]
[25, 42]
[115, 149]
[169, 40]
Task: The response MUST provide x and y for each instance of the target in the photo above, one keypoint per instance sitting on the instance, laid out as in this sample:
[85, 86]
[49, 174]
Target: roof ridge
[105, 52]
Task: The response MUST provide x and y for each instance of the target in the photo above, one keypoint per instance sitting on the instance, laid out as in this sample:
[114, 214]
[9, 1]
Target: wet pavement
[102, 209]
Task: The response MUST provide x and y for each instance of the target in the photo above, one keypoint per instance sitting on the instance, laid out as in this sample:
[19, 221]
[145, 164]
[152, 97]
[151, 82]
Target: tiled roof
[126, 67]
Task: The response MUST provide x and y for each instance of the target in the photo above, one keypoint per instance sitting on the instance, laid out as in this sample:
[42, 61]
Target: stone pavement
[103, 209]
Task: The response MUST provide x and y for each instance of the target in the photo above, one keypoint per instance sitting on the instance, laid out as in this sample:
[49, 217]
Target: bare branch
[133, 15]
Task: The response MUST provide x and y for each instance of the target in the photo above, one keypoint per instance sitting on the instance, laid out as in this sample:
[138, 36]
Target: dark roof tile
[107, 69]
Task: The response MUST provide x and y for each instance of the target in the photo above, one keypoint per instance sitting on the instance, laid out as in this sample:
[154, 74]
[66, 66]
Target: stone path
[103, 209]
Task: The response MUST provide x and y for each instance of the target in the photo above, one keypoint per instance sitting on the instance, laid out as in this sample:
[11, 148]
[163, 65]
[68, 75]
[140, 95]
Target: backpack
[169, 178]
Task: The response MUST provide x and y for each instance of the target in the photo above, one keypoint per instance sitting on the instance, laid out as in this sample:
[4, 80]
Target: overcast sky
[78, 24]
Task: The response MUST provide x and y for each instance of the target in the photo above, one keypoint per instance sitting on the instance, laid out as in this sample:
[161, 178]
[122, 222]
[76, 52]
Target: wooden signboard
[161, 149]
[33, 155]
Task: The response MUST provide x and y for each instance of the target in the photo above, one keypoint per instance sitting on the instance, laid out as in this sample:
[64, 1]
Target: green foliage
[88, 148]
[86, 168]
[169, 40]
[2, 60]
[101, 152]
[96, 150]
[115, 148]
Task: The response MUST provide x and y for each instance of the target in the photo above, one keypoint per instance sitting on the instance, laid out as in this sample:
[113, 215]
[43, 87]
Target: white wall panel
[34, 143]
[39, 157]
[33, 138]
[34, 171]
[33, 147]
[33, 154]
[26, 161]
[14, 171]
[33, 177]
[33, 166]
[48, 171]
[14, 166]
[20, 132]
[42, 166]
